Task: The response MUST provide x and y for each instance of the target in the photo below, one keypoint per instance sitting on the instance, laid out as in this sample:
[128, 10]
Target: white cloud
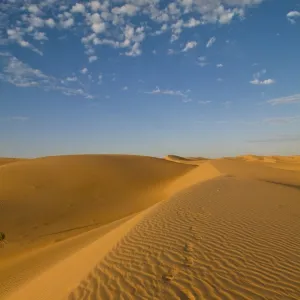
[16, 35]
[127, 9]
[78, 8]
[257, 81]
[176, 30]
[125, 88]
[39, 36]
[95, 5]
[192, 23]
[189, 45]
[36, 21]
[67, 23]
[95, 18]
[171, 51]
[293, 15]
[93, 58]
[219, 65]
[111, 18]
[285, 100]
[135, 50]
[72, 79]
[84, 71]
[33, 9]
[98, 27]
[202, 58]
[262, 82]
[50, 22]
[210, 42]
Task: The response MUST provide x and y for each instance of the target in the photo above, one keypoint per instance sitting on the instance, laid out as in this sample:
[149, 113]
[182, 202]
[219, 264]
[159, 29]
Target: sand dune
[47, 200]
[186, 160]
[68, 193]
[227, 229]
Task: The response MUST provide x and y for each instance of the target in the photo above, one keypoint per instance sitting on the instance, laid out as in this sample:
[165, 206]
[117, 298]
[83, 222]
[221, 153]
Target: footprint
[188, 247]
[189, 261]
[168, 277]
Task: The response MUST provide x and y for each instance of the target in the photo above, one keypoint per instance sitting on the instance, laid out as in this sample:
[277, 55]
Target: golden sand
[131, 227]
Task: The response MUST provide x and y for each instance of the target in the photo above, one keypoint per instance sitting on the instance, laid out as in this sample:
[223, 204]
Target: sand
[223, 229]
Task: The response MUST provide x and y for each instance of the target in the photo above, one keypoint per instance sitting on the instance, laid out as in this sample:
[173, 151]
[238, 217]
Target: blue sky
[187, 77]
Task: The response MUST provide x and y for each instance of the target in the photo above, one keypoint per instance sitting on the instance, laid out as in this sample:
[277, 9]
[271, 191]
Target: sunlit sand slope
[227, 238]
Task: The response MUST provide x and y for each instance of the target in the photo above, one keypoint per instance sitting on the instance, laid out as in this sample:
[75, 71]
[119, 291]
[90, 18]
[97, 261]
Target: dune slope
[226, 238]
[52, 198]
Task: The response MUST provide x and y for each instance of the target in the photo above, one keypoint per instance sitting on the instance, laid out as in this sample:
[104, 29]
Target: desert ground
[134, 227]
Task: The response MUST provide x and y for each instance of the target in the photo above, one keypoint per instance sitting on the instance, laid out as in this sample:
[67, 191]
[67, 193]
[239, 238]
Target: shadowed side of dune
[48, 199]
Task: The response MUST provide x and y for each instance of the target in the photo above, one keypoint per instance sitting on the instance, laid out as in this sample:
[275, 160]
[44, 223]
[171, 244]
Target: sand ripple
[223, 239]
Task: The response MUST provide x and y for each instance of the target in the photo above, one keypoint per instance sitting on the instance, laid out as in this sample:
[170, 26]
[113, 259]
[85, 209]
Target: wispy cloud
[189, 45]
[202, 61]
[22, 75]
[176, 93]
[285, 100]
[211, 41]
[219, 65]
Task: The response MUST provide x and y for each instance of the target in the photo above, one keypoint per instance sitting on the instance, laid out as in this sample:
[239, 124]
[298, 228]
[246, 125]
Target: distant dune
[133, 227]
[187, 160]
